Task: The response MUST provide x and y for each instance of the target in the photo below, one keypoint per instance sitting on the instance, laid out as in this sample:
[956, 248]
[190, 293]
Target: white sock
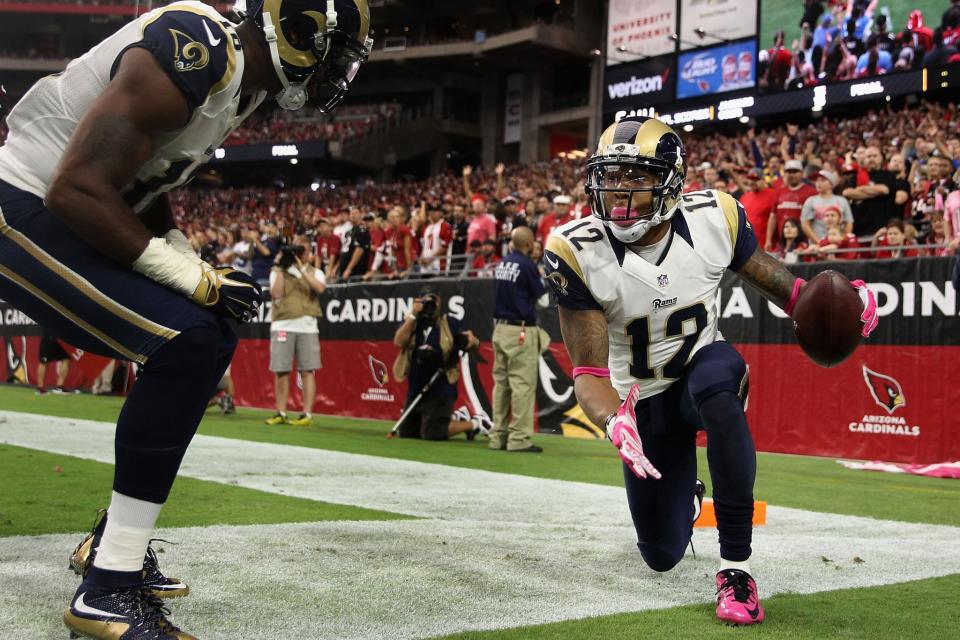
[730, 564]
[130, 524]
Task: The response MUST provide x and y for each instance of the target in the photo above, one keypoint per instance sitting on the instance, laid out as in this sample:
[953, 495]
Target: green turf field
[786, 14]
[784, 480]
[853, 614]
[55, 492]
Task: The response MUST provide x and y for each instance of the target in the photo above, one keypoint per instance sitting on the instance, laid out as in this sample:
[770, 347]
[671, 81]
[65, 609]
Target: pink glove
[622, 431]
[869, 316]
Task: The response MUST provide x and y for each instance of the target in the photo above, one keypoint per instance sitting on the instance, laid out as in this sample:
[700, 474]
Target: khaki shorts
[285, 345]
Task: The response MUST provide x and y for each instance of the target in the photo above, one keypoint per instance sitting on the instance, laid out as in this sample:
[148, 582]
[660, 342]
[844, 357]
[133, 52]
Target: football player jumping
[637, 288]
[89, 248]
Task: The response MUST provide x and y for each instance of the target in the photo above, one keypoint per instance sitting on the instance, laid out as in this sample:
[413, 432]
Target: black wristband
[606, 423]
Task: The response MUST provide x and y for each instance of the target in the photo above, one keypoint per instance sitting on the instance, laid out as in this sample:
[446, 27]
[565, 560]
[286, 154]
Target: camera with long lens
[289, 254]
[430, 306]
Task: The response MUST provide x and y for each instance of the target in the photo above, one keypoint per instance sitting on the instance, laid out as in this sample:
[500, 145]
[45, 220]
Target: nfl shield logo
[663, 281]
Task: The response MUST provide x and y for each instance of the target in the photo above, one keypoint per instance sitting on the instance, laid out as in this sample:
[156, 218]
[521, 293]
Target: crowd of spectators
[842, 40]
[33, 48]
[883, 185]
[309, 124]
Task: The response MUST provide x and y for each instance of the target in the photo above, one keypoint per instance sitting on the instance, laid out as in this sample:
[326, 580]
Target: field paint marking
[558, 551]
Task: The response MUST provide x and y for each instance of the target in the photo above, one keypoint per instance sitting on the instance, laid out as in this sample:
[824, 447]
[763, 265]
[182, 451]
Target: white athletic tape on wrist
[163, 263]
[178, 241]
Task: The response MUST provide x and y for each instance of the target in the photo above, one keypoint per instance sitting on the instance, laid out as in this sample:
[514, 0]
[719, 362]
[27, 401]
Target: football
[827, 319]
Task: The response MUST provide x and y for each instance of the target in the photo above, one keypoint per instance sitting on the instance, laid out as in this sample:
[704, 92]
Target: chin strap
[331, 15]
[639, 229]
[292, 96]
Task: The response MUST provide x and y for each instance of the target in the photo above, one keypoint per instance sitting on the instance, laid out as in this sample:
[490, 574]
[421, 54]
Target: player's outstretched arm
[767, 275]
[585, 334]
[111, 143]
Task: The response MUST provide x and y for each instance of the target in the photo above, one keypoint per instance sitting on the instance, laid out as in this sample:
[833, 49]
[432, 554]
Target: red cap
[478, 196]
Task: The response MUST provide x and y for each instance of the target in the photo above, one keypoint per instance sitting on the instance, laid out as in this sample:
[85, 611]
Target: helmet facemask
[330, 83]
[328, 58]
[632, 194]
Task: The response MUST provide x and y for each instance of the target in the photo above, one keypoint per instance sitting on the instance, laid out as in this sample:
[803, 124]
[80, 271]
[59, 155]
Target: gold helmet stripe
[289, 53]
[607, 138]
[645, 135]
[648, 136]
[364, 20]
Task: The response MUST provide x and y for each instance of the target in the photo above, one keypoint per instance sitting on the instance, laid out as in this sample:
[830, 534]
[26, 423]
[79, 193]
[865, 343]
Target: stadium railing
[461, 265]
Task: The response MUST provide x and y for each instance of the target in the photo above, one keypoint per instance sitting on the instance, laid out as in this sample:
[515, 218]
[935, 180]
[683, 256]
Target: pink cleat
[737, 599]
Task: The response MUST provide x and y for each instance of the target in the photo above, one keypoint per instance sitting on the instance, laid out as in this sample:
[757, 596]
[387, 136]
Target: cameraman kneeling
[430, 341]
[295, 286]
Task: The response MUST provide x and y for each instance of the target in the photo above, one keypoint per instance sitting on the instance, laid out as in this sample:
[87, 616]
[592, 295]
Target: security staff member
[517, 344]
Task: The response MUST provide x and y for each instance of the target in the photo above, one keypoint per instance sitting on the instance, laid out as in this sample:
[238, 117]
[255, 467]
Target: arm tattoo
[768, 276]
[586, 336]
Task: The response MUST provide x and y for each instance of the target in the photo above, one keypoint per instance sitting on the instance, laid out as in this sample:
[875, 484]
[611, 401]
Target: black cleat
[227, 406]
[698, 491]
[124, 614]
[154, 581]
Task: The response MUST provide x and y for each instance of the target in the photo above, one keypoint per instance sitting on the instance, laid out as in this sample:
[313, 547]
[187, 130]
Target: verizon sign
[635, 87]
[638, 85]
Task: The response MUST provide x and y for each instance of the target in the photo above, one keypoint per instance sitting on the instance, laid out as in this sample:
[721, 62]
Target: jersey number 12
[639, 332]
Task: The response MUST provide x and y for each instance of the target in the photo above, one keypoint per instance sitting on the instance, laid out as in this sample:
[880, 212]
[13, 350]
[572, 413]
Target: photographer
[295, 286]
[430, 340]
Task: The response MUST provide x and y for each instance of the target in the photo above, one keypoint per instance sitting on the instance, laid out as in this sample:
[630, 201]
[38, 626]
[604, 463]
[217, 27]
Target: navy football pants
[94, 304]
[710, 397]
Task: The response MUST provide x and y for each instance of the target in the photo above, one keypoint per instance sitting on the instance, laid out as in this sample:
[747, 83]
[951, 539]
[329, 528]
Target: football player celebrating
[637, 288]
[89, 248]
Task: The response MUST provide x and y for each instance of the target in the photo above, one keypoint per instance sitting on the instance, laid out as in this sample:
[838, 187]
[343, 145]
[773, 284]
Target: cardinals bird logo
[379, 371]
[886, 391]
[16, 367]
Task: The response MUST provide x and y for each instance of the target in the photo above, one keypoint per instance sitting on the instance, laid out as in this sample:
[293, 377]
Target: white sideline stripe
[401, 486]
[558, 551]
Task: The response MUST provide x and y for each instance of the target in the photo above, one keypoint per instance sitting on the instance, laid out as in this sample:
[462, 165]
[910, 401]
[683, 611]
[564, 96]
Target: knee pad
[658, 558]
[717, 367]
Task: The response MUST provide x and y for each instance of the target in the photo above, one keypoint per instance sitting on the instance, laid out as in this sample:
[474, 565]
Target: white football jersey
[659, 315]
[200, 51]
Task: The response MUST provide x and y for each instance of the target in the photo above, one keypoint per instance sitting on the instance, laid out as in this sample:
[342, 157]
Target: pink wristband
[596, 372]
[799, 282]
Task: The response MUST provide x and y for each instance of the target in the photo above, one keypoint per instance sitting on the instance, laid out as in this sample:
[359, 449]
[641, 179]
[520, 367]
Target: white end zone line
[494, 550]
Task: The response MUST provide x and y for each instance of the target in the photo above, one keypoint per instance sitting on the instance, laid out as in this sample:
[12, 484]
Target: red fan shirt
[788, 204]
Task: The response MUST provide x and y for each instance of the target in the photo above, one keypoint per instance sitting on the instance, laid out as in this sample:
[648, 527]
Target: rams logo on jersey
[559, 282]
[188, 54]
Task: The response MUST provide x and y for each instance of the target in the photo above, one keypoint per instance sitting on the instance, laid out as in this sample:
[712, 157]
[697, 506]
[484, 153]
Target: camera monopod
[413, 403]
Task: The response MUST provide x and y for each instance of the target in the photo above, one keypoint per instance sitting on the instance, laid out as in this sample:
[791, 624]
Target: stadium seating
[916, 134]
